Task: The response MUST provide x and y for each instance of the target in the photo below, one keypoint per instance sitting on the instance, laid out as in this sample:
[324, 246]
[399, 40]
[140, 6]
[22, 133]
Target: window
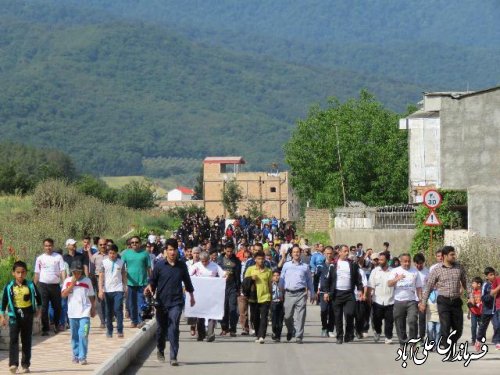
[273, 190]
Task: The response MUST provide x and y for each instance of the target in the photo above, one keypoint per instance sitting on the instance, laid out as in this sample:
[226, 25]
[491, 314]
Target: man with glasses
[138, 265]
[95, 268]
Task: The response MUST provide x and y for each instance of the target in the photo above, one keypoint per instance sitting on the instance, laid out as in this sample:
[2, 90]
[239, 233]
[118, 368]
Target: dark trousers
[316, 278]
[114, 306]
[484, 322]
[385, 313]
[230, 319]
[362, 316]
[327, 315]
[23, 326]
[100, 305]
[451, 318]
[422, 326]
[168, 327]
[259, 314]
[344, 305]
[277, 316]
[205, 331]
[50, 293]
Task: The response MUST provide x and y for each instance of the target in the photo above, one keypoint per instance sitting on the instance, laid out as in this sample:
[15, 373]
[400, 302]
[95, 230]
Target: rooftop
[224, 160]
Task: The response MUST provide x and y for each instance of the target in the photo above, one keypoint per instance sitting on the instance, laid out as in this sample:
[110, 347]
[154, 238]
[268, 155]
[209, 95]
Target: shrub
[477, 254]
[138, 195]
[55, 194]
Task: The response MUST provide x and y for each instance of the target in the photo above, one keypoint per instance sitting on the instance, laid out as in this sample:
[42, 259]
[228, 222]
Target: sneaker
[330, 334]
[211, 338]
[497, 347]
[109, 335]
[61, 328]
[244, 333]
[120, 335]
[359, 335]
[83, 362]
[298, 340]
[340, 341]
[161, 357]
[74, 360]
[173, 362]
[141, 324]
[232, 334]
[365, 335]
[376, 337]
[477, 346]
[388, 341]
[289, 336]
[252, 332]
[132, 325]
[324, 333]
[277, 339]
[13, 369]
[261, 340]
[25, 370]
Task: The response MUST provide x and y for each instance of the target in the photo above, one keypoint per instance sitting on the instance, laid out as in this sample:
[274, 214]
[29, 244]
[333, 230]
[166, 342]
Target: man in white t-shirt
[112, 288]
[81, 307]
[206, 268]
[407, 291]
[49, 272]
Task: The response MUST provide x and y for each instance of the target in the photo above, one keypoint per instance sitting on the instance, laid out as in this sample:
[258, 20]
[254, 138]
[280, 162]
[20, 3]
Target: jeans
[23, 326]
[168, 327]
[114, 306]
[64, 312]
[474, 323]
[496, 327]
[80, 328]
[230, 319]
[260, 313]
[406, 312]
[386, 313]
[344, 304]
[50, 293]
[277, 315]
[327, 316]
[433, 331]
[135, 298]
[451, 318]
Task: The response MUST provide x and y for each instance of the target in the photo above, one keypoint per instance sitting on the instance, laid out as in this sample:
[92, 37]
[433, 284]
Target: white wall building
[180, 193]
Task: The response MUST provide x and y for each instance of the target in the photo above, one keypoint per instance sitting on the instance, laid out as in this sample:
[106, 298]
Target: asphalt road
[241, 355]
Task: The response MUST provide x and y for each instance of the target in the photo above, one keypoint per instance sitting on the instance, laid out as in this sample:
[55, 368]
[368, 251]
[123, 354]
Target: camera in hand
[148, 308]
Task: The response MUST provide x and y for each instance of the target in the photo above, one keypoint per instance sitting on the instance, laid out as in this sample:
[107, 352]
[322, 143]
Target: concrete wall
[470, 141]
[484, 210]
[317, 220]
[399, 239]
[166, 205]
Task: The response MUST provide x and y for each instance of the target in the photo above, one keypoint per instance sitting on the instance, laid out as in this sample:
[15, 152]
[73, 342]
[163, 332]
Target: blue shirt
[167, 281]
[317, 259]
[296, 275]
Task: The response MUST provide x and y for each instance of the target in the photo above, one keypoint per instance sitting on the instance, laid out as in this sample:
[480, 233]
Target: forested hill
[112, 92]
[441, 44]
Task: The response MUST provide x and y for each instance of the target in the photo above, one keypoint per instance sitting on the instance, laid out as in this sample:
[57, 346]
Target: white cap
[70, 241]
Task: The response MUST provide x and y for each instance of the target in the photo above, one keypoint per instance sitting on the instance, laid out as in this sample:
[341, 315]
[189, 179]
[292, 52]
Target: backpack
[249, 288]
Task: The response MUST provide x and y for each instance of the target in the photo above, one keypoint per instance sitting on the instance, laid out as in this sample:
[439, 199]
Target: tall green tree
[350, 151]
[231, 196]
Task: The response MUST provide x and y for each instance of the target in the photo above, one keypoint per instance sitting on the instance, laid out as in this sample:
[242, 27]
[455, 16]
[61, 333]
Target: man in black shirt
[168, 276]
[232, 266]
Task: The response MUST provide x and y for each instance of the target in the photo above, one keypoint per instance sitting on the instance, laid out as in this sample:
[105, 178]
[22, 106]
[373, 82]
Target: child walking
[277, 312]
[475, 306]
[20, 302]
[432, 318]
[81, 307]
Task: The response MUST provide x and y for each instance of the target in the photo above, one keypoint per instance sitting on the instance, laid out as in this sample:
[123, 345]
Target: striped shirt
[446, 280]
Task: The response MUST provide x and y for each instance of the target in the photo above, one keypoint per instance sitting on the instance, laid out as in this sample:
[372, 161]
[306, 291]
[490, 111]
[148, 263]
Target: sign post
[432, 200]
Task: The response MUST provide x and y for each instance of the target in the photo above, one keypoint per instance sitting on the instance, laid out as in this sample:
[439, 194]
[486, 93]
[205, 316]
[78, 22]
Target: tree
[199, 188]
[137, 195]
[231, 196]
[350, 151]
[95, 187]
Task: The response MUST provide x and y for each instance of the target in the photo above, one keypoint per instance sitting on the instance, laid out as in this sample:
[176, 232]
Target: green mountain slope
[439, 44]
[110, 92]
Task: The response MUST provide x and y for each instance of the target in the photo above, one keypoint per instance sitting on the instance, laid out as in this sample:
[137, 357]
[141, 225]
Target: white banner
[209, 293]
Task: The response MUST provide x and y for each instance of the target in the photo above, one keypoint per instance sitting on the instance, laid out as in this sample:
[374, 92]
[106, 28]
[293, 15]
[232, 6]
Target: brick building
[272, 191]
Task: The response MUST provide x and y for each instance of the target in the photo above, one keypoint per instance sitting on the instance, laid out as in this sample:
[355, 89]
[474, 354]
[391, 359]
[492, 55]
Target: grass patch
[162, 185]
[315, 237]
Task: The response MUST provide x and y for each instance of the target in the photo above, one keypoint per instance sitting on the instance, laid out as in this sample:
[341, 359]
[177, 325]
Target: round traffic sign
[432, 199]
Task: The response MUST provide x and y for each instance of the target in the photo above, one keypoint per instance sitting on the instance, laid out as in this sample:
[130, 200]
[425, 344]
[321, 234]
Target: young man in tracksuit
[343, 278]
[20, 302]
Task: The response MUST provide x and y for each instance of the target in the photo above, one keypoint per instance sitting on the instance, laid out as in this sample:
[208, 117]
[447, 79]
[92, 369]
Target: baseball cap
[70, 241]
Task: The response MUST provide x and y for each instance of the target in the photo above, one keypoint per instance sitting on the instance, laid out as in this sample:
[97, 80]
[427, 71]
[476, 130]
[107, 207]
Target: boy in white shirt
[112, 288]
[81, 307]
[407, 291]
